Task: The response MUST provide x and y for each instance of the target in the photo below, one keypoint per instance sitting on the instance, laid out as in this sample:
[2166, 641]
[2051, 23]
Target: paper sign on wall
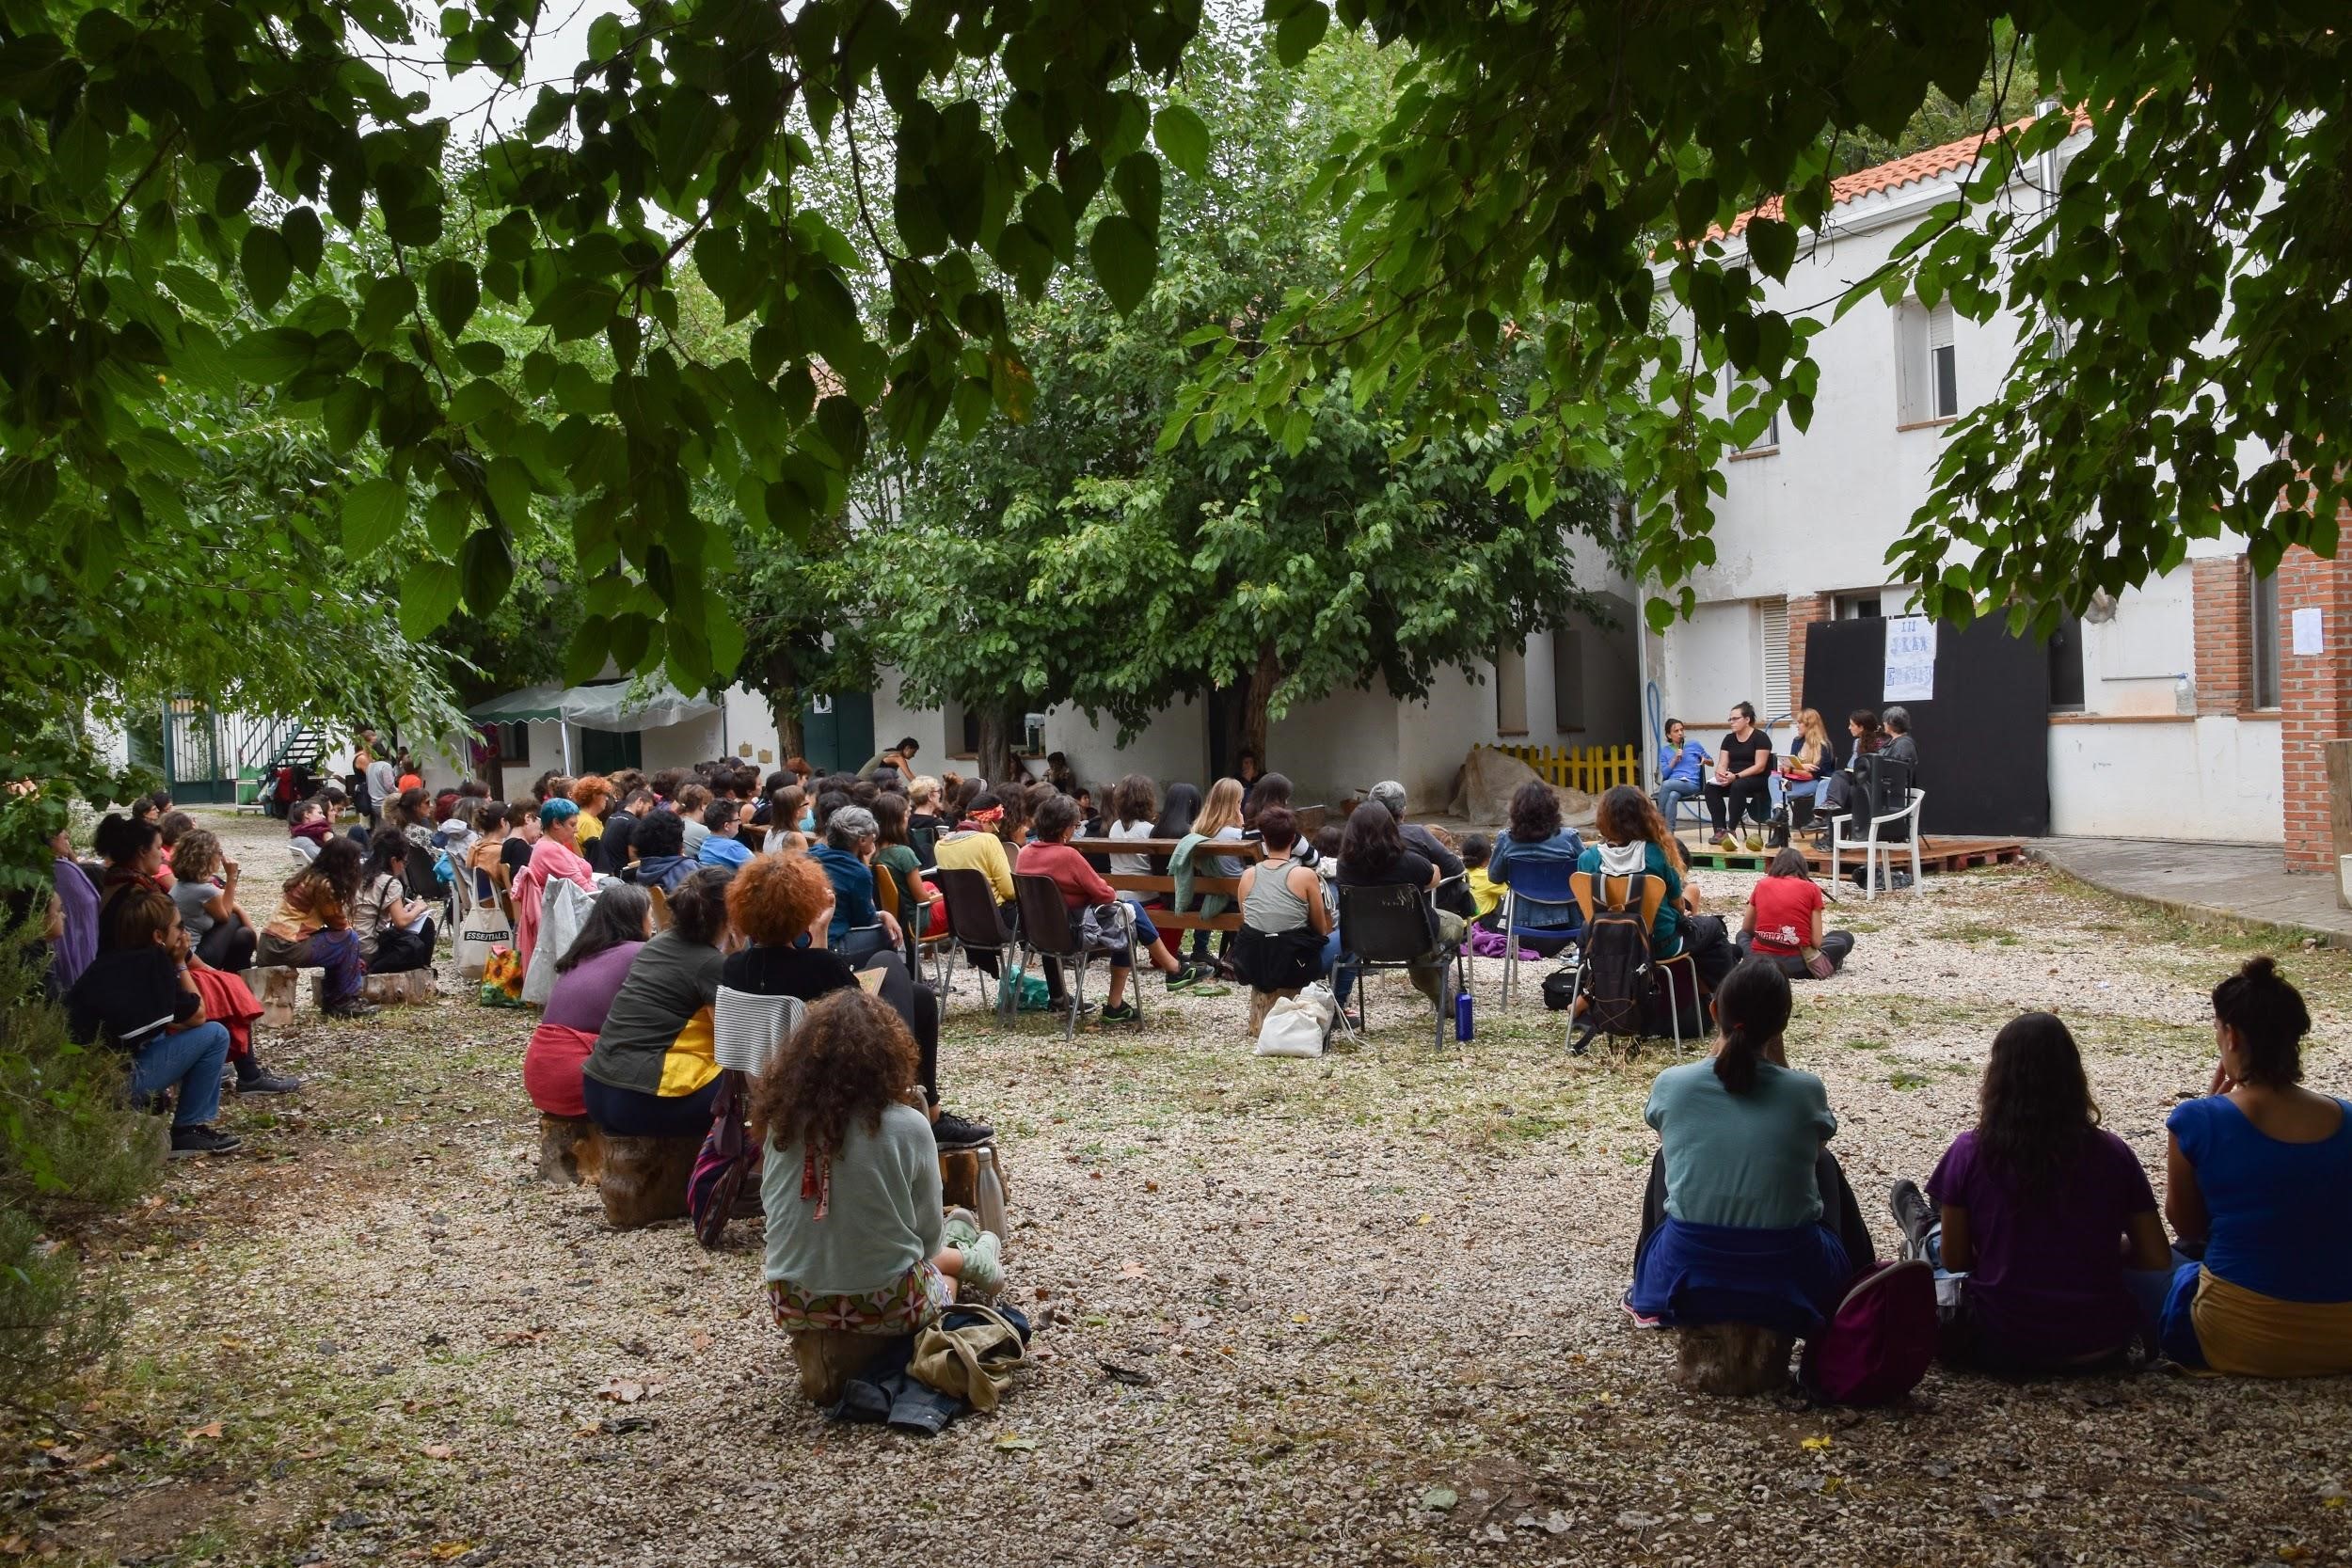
[2308, 633]
[1910, 658]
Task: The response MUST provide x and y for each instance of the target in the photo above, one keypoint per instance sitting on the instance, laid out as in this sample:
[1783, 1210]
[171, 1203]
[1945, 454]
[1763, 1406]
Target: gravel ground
[1360, 1310]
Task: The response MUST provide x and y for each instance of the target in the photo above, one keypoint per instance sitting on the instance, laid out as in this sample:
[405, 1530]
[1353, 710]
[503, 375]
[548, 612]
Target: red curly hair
[592, 792]
[777, 897]
[851, 1059]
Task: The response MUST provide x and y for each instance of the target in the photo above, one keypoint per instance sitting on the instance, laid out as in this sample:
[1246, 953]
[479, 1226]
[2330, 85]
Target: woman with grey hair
[1899, 747]
[859, 927]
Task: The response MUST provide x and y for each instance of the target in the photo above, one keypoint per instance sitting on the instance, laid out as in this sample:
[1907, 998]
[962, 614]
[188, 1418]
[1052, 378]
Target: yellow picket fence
[1590, 769]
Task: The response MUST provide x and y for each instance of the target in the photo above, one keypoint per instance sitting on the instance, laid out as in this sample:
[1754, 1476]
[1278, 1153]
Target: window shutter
[1775, 660]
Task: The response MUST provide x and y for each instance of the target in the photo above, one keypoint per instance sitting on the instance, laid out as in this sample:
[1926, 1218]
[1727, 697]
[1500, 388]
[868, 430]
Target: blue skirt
[1787, 1280]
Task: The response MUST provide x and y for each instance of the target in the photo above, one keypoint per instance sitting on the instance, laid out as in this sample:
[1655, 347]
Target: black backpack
[1616, 965]
[1884, 788]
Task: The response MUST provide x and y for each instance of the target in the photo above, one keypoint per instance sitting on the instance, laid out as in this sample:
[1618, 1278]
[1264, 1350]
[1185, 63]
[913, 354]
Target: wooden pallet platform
[1937, 852]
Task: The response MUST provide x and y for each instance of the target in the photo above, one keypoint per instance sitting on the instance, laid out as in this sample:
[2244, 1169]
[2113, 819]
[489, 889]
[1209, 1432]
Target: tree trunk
[789, 740]
[784, 703]
[1255, 696]
[1000, 721]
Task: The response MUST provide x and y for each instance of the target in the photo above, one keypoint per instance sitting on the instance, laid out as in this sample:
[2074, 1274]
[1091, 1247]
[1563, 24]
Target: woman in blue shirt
[1680, 772]
[1538, 839]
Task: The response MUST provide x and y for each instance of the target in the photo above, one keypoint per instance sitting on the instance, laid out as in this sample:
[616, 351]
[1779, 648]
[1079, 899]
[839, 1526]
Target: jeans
[1146, 934]
[1841, 1217]
[634, 1113]
[337, 953]
[190, 1061]
[1834, 946]
[1753, 793]
[1672, 794]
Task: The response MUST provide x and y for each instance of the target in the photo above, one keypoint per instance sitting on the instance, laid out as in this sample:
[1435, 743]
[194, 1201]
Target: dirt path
[1360, 1309]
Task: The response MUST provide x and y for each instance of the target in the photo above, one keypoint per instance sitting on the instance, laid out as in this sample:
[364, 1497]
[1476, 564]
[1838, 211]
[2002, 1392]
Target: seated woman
[652, 1074]
[311, 929]
[395, 931]
[2043, 1211]
[1784, 921]
[1634, 841]
[1219, 822]
[692, 801]
[782, 907]
[1681, 770]
[660, 846]
[592, 793]
[587, 977]
[133, 849]
[555, 854]
[485, 858]
[860, 927]
[857, 1239]
[307, 828]
[1809, 762]
[1287, 937]
[412, 814]
[1836, 797]
[138, 997]
[1270, 790]
[1372, 855]
[921, 913]
[1737, 1227]
[2255, 1178]
[1537, 837]
[1081, 887]
[205, 891]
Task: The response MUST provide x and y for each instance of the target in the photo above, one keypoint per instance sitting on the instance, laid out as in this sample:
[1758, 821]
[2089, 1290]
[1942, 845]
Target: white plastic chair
[1873, 850]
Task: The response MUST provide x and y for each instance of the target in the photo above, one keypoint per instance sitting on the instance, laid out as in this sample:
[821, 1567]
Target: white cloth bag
[1298, 1025]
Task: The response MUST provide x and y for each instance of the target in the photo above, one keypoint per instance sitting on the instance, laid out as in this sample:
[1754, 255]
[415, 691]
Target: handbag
[502, 978]
[482, 932]
[1298, 1025]
[974, 1361]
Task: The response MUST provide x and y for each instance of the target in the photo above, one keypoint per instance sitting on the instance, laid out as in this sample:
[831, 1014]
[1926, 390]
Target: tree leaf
[268, 265]
[1772, 244]
[509, 484]
[452, 293]
[306, 239]
[1300, 31]
[1182, 139]
[486, 568]
[372, 513]
[1125, 259]
[428, 592]
[272, 356]
[1136, 181]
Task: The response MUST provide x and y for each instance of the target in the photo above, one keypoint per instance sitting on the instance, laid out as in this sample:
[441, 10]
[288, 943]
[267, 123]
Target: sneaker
[1124, 1013]
[984, 1267]
[962, 1230]
[950, 1130]
[189, 1141]
[1913, 1216]
[350, 1007]
[267, 1082]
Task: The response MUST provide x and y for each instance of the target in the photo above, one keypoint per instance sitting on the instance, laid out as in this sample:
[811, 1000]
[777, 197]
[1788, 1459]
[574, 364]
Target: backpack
[725, 1166]
[1616, 964]
[1876, 1346]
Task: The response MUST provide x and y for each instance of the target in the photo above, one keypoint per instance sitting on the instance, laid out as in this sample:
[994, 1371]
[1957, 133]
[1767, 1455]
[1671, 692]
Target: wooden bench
[1175, 920]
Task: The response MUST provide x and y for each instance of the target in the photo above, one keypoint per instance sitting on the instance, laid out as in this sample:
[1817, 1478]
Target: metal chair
[1393, 926]
[975, 924]
[1539, 887]
[1049, 932]
[1873, 848]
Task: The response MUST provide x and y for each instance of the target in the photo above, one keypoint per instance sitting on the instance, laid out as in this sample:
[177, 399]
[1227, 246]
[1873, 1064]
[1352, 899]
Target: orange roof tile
[1929, 165]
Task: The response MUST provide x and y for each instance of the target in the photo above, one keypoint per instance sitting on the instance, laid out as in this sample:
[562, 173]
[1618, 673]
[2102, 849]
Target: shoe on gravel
[950, 1130]
[267, 1082]
[350, 1007]
[188, 1142]
[1913, 1215]
[1124, 1013]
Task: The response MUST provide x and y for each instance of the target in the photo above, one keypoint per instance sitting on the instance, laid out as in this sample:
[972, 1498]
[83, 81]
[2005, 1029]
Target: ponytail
[1751, 1006]
[698, 908]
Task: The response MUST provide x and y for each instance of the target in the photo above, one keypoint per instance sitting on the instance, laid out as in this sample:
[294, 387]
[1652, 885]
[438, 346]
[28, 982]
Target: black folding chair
[1394, 927]
[1049, 931]
[975, 925]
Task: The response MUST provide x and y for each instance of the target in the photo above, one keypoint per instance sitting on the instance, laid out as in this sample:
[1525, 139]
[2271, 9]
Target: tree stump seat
[405, 990]
[571, 1149]
[1737, 1360]
[642, 1181]
[828, 1359]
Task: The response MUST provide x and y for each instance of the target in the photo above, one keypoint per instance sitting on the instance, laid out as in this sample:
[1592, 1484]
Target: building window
[1567, 679]
[1854, 607]
[1927, 366]
[2066, 668]
[2262, 608]
[512, 743]
[1774, 662]
[1511, 691]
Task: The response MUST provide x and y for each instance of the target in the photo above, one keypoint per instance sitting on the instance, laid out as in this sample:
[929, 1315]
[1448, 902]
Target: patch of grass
[1908, 1080]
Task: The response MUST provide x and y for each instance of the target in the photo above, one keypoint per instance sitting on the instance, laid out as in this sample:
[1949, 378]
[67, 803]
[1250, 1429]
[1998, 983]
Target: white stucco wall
[1712, 660]
[2213, 778]
[1174, 748]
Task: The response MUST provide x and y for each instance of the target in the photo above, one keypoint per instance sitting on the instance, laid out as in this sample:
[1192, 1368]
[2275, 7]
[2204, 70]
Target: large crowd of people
[715, 895]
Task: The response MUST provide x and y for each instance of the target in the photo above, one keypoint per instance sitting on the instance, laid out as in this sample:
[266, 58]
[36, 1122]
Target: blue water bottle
[1461, 1016]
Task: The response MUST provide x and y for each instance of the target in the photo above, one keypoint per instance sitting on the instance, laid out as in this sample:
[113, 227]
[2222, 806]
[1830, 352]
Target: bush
[71, 1149]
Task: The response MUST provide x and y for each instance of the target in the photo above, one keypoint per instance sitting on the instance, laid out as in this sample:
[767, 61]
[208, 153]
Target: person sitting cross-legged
[1082, 887]
[1785, 919]
[2043, 1220]
[857, 1239]
[137, 996]
[311, 929]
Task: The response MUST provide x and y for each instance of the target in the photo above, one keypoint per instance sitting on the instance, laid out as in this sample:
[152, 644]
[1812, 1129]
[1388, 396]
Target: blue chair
[1533, 901]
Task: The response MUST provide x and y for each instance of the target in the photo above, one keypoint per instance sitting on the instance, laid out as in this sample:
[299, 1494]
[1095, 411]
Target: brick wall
[2315, 700]
[1802, 612]
[2224, 657]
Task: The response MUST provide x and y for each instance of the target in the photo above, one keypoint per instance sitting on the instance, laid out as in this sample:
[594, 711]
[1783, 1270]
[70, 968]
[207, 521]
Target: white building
[2164, 715]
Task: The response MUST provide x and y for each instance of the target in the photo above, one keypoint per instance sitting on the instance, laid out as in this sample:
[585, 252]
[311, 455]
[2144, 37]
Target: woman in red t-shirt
[1784, 922]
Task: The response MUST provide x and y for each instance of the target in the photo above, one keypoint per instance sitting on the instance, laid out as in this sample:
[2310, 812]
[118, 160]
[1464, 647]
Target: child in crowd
[2036, 1215]
[1477, 849]
[1784, 921]
[721, 845]
[857, 1239]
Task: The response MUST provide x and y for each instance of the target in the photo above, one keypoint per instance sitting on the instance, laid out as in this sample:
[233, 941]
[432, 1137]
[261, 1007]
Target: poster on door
[1910, 658]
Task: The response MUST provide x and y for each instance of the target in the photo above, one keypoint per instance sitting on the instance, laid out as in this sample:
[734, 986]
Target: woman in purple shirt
[2044, 1214]
[586, 979]
[76, 942]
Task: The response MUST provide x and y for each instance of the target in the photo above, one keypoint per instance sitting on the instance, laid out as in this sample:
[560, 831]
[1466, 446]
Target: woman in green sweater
[857, 1240]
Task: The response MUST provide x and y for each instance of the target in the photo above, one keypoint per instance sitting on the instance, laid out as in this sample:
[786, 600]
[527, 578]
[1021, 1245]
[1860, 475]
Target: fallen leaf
[1008, 1442]
[211, 1428]
[444, 1550]
[1301, 1318]
[439, 1451]
[700, 1343]
[1151, 1186]
[2294, 1554]
[1423, 1219]
[626, 1390]
[1130, 1270]
[1815, 1444]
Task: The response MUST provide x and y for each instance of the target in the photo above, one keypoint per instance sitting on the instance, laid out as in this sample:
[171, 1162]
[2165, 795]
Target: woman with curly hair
[857, 1238]
[2255, 1175]
[2042, 1211]
[206, 892]
[592, 793]
[312, 927]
